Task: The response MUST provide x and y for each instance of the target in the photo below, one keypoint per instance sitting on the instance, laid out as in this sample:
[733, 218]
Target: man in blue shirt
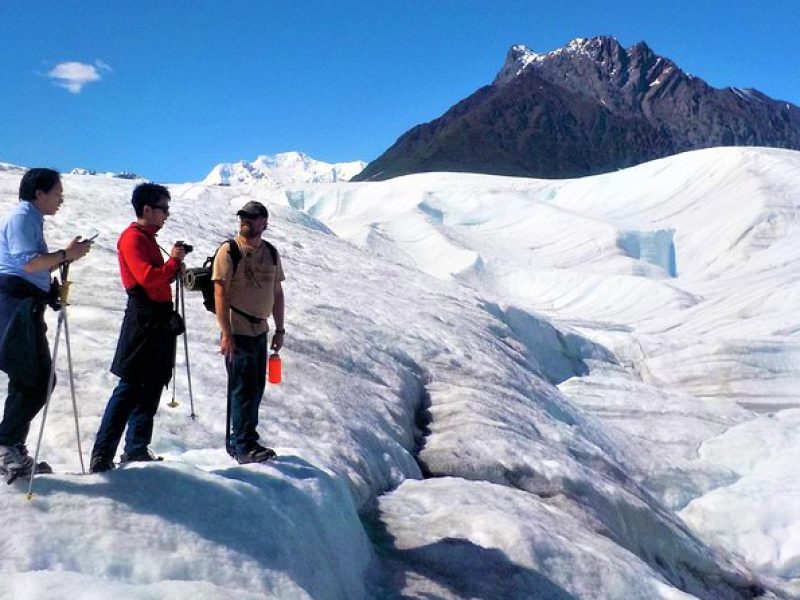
[25, 266]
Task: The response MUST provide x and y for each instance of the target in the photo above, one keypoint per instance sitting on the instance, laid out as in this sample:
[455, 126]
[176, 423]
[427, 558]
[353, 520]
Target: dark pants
[23, 403]
[133, 404]
[247, 376]
[26, 397]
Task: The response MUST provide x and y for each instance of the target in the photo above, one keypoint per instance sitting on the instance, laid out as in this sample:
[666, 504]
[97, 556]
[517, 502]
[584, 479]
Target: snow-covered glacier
[493, 387]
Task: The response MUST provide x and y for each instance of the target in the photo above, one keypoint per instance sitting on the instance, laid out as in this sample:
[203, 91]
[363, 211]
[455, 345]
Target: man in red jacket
[146, 346]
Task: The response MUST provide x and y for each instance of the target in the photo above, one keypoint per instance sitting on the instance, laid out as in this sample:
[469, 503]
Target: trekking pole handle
[63, 289]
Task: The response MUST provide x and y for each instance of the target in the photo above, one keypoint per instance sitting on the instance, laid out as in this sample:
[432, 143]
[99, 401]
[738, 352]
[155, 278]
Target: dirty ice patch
[454, 538]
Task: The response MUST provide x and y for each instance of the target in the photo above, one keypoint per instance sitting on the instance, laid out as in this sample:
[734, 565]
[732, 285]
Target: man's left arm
[51, 260]
[28, 250]
[277, 316]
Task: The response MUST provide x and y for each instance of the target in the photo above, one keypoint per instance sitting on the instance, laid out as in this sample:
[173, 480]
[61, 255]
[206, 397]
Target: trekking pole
[63, 293]
[228, 445]
[72, 379]
[174, 402]
[179, 281]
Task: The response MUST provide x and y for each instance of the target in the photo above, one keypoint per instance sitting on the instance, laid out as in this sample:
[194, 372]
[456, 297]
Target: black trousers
[26, 397]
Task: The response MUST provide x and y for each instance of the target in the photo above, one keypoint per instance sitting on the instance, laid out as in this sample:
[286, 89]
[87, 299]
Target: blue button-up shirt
[22, 239]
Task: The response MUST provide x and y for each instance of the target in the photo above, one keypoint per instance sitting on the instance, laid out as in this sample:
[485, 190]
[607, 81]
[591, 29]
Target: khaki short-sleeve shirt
[251, 289]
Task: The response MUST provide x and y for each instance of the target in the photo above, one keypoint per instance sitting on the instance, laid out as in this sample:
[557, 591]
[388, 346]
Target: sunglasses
[164, 209]
[248, 217]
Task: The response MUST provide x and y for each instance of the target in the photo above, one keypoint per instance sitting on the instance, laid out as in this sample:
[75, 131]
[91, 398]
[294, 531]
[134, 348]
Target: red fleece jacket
[141, 263]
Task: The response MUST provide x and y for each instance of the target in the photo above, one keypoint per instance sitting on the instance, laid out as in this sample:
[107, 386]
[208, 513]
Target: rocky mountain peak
[599, 68]
[598, 57]
[597, 48]
[589, 107]
[642, 50]
[519, 56]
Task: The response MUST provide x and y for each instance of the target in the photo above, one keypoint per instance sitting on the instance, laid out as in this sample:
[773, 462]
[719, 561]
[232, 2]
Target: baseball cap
[253, 209]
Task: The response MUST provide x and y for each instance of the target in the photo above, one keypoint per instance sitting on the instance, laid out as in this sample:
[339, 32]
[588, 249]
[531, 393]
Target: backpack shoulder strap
[273, 252]
[235, 253]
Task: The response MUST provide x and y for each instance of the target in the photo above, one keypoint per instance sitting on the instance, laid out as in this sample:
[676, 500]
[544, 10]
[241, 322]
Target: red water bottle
[274, 368]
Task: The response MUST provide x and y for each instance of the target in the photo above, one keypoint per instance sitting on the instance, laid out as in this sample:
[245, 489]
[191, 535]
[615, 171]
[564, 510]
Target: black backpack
[199, 279]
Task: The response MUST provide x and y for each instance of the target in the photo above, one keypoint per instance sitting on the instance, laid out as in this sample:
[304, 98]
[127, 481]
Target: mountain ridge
[587, 108]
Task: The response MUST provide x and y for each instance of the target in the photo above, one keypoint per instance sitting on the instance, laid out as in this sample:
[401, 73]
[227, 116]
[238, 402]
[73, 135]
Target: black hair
[148, 194]
[37, 179]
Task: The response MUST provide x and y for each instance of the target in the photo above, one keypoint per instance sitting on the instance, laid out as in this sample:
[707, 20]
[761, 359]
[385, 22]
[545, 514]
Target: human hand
[178, 252]
[77, 248]
[277, 341]
[227, 346]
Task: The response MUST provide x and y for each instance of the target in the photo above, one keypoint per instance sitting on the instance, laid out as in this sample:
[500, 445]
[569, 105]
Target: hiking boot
[42, 468]
[14, 464]
[22, 449]
[255, 454]
[100, 464]
[146, 455]
[12, 458]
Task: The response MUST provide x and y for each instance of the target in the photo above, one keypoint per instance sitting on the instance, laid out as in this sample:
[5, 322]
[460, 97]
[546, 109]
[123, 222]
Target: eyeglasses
[165, 209]
[252, 218]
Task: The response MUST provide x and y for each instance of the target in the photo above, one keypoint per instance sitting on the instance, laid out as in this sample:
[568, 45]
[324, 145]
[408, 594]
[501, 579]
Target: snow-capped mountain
[590, 107]
[282, 169]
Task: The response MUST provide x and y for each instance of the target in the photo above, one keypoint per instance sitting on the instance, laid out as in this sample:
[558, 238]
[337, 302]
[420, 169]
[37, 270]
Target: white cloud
[74, 75]
[103, 66]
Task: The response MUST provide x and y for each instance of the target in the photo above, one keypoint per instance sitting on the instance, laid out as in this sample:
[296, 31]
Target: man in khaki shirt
[244, 298]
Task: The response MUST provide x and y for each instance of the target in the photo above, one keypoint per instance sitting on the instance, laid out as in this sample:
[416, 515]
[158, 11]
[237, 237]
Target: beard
[250, 231]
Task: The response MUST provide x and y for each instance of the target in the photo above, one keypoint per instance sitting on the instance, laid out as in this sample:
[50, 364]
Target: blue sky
[181, 85]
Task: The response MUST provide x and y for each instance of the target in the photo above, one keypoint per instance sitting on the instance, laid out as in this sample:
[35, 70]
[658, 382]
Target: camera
[186, 247]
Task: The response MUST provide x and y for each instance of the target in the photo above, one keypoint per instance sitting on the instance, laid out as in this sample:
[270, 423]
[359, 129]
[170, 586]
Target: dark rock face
[588, 108]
